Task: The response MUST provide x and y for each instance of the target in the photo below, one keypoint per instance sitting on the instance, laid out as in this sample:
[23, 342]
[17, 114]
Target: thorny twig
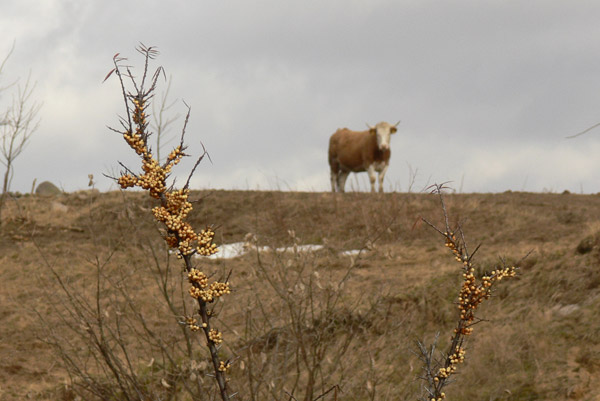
[174, 206]
[472, 293]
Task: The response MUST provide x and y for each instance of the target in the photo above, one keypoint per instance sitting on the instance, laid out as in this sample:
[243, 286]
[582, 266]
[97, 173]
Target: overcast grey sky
[486, 90]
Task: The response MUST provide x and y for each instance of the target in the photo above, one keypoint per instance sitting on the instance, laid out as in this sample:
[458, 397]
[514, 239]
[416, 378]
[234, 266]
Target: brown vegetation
[355, 319]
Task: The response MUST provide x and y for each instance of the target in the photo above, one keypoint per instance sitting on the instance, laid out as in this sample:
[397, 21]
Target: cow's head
[383, 131]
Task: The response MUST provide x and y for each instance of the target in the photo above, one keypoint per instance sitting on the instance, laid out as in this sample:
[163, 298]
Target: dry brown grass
[541, 341]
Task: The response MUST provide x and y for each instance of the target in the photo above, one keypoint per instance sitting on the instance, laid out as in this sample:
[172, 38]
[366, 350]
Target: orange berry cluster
[445, 372]
[178, 203]
[458, 356]
[215, 290]
[180, 233]
[215, 336]
[192, 323]
[471, 295]
[205, 245]
[155, 175]
[175, 205]
[223, 367]
[196, 276]
[199, 286]
[137, 140]
[127, 181]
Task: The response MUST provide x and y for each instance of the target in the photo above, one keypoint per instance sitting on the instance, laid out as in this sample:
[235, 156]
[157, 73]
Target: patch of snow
[230, 251]
[302, 248]
[237, 249]
[352, 252]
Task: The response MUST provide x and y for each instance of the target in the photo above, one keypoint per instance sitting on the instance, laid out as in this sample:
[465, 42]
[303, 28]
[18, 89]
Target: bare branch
[584, 131]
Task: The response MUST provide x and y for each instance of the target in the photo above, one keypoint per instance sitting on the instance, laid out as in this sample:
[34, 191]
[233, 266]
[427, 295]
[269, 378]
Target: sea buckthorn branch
[474, 290]
[174, 206]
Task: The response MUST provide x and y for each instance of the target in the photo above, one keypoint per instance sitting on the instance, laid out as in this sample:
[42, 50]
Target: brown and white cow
[356, 151]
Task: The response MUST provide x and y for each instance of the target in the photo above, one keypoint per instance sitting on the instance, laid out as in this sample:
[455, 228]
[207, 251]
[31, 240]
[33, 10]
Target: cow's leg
[341, 180]
[334, 178]
[381, 175]
[372, 176]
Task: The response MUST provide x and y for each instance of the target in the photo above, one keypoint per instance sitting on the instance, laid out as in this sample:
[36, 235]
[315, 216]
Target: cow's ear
[372, 130]
[393, 130]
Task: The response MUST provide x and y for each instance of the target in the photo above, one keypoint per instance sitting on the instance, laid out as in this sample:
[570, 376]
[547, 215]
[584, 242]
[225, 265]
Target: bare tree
[17, 123]
[161, 123]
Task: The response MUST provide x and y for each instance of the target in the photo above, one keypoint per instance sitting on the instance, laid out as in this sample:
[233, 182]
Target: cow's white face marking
[383, 131]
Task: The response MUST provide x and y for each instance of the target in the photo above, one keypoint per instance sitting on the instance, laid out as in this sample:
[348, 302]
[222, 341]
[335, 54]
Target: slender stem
[214, 354]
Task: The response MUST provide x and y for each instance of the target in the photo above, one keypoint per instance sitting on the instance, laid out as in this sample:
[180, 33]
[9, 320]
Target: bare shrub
[306, 335]
[17, 123]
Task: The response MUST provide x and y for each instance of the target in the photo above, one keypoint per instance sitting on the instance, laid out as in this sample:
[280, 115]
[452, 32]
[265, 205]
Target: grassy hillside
[299, 323]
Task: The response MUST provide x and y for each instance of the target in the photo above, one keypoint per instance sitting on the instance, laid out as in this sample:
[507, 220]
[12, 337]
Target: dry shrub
[307, 330]
[119, 329]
